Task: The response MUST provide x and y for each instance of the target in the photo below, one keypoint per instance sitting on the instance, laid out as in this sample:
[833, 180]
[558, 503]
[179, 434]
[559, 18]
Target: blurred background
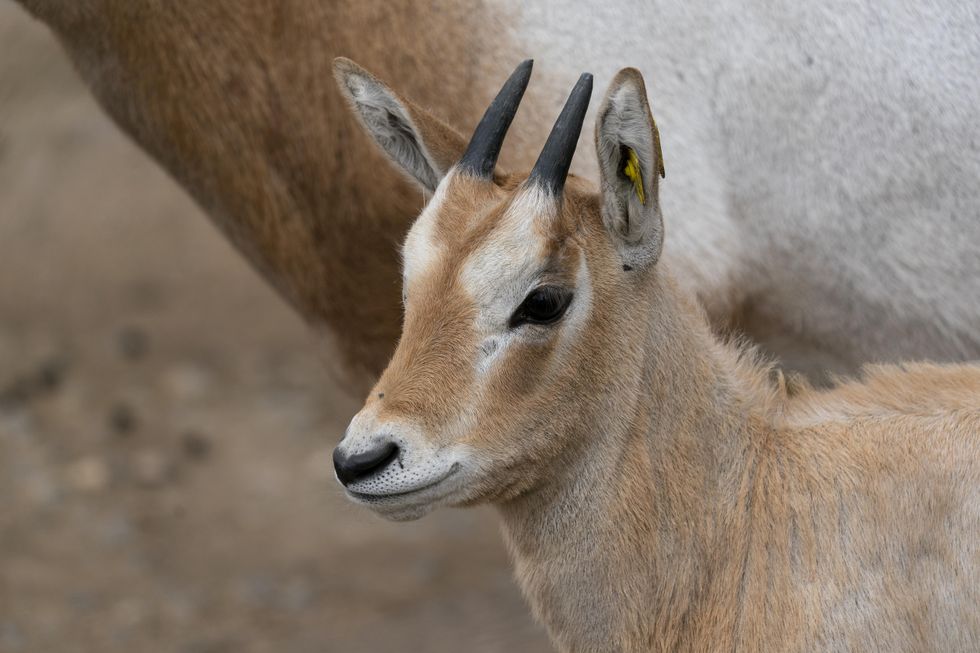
[166, 425]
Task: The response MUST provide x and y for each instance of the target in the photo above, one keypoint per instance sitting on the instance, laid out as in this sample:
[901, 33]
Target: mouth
[372, 498]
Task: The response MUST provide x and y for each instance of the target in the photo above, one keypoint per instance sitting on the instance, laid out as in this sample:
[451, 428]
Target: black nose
[361, 465]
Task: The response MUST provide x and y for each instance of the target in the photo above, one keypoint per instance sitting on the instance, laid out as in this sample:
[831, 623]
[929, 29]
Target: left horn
[552, 166]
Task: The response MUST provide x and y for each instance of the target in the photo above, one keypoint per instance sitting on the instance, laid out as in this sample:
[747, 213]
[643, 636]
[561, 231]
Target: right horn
[551, 169]
[481, 154]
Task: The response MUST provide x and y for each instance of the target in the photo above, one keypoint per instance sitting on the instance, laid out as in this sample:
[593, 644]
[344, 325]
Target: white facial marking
[420, 250]
[506, 268]
[500, 271]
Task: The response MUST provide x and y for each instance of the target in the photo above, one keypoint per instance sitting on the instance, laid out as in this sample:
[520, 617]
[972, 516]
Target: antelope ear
[422, 145]
[630, 168]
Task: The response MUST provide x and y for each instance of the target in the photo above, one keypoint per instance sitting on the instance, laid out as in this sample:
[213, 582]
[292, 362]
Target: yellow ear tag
[632, 171]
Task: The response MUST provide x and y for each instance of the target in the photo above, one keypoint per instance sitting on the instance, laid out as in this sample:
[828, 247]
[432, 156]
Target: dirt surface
[166, 424]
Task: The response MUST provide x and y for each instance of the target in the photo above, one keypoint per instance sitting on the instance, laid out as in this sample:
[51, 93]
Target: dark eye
[544, 305]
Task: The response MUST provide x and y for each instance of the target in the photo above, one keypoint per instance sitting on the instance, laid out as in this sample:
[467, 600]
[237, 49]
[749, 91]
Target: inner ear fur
[421, 144]
[630, 168]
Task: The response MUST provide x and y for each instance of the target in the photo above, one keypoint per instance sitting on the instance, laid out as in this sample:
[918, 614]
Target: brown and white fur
[824, 155]
[659, 489]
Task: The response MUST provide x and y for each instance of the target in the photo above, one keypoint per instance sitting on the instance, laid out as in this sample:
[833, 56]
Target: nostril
[359, 466]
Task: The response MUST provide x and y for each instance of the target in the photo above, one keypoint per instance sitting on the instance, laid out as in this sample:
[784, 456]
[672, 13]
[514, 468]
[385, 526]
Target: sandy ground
[166, 426]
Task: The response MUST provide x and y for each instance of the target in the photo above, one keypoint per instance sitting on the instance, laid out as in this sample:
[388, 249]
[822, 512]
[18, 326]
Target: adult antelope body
[659, 489]
[824, 155]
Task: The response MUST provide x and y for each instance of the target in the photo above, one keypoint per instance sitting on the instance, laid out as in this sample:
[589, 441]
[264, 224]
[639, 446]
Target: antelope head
[524, 296]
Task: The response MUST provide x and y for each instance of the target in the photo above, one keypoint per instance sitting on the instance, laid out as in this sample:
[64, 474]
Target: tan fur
[657, 490]
[664, 490]
[236, 101]
[234, 98]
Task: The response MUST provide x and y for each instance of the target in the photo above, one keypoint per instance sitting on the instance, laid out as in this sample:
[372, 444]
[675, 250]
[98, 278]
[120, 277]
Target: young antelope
[659, 489]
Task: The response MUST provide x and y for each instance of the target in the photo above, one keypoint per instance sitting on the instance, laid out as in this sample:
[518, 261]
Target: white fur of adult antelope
[824, 155]
[660, 490]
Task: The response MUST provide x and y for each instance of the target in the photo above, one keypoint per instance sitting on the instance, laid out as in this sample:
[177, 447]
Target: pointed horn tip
[551, 168]
[523, 71]
[481, 154]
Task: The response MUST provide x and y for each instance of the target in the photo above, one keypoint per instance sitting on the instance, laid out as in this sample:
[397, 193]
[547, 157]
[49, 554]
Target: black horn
[552, 166]
[481, 154]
